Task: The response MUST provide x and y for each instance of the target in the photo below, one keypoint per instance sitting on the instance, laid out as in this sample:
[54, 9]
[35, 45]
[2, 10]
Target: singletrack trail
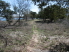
[33, 44]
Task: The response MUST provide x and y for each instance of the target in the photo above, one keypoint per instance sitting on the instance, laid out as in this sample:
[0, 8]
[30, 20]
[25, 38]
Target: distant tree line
[33, 15]
[52, 12]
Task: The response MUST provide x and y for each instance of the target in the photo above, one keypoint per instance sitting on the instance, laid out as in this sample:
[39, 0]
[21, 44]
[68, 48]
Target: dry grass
[51, 34]
[17, 38]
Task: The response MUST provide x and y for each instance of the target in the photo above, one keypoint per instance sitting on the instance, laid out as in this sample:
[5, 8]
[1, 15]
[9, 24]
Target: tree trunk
[26, 18]
[19, 21]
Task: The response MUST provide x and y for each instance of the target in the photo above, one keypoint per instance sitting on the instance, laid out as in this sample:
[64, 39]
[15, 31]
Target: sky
[33, 7]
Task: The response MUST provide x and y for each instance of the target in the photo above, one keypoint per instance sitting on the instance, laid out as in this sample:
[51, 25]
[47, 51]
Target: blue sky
[33, 7]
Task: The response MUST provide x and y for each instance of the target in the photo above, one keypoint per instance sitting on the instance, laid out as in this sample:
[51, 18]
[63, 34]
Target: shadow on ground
[61, 47]
[43, 22]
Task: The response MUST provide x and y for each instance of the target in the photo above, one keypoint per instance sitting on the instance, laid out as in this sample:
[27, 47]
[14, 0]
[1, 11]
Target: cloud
[34, 8]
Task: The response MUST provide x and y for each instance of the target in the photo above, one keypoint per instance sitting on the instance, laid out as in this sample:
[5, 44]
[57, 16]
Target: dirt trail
[34, 41]
[33, 44]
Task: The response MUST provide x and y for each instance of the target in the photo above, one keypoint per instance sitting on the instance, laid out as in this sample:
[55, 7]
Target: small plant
[57, 28]
[64, 30]
[46, 39]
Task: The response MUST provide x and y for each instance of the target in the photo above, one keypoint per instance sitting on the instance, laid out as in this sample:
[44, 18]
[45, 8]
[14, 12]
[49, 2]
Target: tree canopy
[42, 3]
[53, 12]
[33, 15]
[5, 11]
[22, 9]
[3, 7]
